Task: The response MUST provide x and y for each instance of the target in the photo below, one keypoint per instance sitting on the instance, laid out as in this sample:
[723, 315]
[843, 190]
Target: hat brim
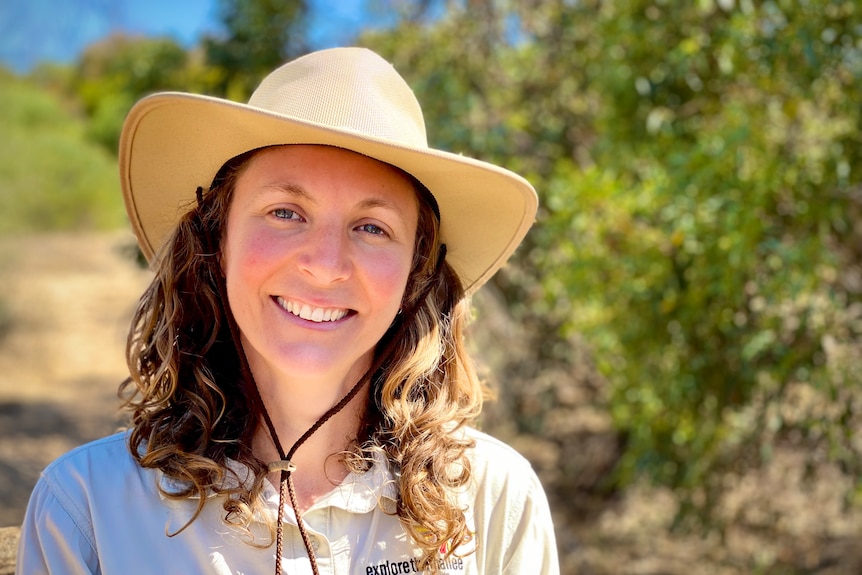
[174, 142]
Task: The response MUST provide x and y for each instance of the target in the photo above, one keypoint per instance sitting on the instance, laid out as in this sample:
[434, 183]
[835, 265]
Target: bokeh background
[677, 346]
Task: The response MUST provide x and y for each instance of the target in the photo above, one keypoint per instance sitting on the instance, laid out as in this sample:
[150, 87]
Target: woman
[300, 392]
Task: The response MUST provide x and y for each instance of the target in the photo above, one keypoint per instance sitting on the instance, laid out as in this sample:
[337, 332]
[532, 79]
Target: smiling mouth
[310, 313]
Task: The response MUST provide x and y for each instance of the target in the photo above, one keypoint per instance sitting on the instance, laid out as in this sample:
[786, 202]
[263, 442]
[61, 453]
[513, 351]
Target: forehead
[316, 167]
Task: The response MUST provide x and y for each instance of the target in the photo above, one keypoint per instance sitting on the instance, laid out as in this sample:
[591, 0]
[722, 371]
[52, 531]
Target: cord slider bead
[281, 465]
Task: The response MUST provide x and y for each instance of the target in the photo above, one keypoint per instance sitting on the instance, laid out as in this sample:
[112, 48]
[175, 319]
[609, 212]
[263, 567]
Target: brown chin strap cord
[284, 464]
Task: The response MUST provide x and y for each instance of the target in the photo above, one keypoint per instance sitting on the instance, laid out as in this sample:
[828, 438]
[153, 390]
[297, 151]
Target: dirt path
[66, 302]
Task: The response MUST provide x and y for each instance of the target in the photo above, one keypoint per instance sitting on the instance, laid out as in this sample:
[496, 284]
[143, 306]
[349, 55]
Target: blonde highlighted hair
[190, 403]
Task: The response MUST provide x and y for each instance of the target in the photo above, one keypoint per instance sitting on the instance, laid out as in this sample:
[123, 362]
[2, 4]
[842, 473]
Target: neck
[293, 410]
[295, 418]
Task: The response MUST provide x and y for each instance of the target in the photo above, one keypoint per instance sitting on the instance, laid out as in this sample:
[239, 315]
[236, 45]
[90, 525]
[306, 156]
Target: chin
[315, 363]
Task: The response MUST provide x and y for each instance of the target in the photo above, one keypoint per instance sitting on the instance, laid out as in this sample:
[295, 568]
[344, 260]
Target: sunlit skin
[317, 252]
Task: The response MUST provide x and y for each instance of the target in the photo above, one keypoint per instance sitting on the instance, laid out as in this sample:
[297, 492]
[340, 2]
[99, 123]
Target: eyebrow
[290, 189]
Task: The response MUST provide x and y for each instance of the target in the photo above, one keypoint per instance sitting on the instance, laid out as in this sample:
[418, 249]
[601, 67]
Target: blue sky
[57, 30]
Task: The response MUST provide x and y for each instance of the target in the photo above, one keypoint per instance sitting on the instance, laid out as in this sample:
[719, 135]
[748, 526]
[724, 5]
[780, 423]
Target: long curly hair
[190, 402]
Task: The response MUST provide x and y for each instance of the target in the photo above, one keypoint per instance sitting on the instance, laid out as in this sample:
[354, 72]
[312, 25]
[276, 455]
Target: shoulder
[102, 471]
[500, 476]
[489, 445]
[509, 510]
[492, 458]
[109, 446]
[107, 457]
[59, 528]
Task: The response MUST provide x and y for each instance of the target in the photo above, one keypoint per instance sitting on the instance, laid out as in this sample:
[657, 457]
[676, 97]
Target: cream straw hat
[346, 97]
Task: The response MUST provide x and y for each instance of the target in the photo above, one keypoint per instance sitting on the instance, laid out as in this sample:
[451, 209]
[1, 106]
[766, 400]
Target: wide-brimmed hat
[350, 98]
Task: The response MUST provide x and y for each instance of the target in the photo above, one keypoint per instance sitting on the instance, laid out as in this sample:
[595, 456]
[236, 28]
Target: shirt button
[315, 543]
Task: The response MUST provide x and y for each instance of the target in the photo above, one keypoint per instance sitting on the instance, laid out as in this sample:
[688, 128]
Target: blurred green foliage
[699, 171]
[698, 165]
[113, 74]
[51, 176]
[258, 36]
[720, 253]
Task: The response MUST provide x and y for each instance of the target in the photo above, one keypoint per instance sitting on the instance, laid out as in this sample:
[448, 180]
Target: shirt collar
[360, 492]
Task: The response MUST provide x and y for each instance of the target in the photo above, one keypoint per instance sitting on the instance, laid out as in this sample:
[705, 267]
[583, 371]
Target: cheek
[390, 276]
[245, 263]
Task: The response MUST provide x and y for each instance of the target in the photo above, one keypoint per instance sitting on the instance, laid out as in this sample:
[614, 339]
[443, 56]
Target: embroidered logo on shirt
[405, 567]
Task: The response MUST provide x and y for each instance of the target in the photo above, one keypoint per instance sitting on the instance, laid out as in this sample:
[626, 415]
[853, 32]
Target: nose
[326, 257]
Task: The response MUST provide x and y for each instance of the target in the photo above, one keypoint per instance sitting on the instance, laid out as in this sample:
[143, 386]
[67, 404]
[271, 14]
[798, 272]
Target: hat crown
[350, 89]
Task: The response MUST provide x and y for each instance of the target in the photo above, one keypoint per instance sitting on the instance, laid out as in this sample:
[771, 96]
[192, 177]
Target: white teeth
[315, 314]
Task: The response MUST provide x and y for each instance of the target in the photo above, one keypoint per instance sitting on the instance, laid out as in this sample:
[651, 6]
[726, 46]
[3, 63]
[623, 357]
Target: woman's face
[318, 248]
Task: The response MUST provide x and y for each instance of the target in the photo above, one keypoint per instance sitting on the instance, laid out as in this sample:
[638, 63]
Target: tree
[721, 252]
[259, 35]
[698, 166]
[114, 73]
[52, 177]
